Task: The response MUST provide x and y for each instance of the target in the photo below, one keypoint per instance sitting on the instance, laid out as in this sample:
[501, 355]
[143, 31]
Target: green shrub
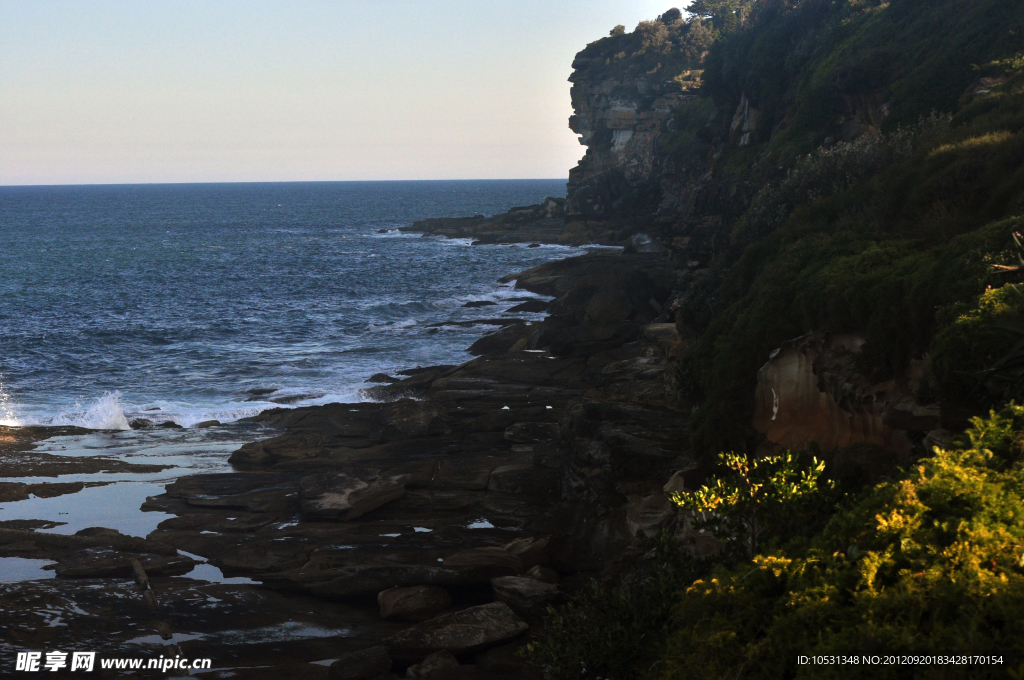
[757, 499]
[977, 340]
[932, 563]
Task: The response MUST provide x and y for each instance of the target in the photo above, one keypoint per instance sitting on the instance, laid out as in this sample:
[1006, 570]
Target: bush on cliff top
[929, 563]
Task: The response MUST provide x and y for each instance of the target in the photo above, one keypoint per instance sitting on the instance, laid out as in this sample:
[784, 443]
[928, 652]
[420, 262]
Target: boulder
[437, 665]
[531, 551]
[543, 574]
[486, 563]
[208, 423]
[469, 630]
[416, 603]
[367, 664]
[140, 423]
[524, 593]
[343, 497]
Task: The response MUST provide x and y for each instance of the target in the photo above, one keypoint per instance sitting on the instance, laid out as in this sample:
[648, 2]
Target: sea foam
[105, 413]
[7, 414]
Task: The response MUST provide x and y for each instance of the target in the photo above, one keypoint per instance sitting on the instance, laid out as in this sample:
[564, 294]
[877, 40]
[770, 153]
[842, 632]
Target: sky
[157, 91]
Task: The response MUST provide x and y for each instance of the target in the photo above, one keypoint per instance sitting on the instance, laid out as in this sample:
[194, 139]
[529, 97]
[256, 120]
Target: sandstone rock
[466, 631]
[675, 484]
[107, 563]
[407, 419]
[525, 479]
[367, 664]
[524, 593]
[208, 423]
[437, 665]
[531, 551]
[937, 438]
[543, 574]
[486, 563]
[531, 432]
[645, 516]
[370, 579]
[793, 410]
[531, 307]
[338, 496]
[416, 603]
[607, 305]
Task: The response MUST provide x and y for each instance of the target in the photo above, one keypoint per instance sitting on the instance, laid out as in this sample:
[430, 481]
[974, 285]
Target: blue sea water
[194, 302]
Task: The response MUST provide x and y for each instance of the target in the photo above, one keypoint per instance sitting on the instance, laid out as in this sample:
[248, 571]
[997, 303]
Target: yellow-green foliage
[930, 564]
[756, 498]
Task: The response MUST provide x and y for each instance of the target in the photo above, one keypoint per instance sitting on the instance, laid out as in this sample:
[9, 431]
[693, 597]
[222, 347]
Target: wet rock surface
[441, 518]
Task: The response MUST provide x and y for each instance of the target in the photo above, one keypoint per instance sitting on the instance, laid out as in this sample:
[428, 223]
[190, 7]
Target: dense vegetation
[886, 197]
[895, 234]
[931, 562]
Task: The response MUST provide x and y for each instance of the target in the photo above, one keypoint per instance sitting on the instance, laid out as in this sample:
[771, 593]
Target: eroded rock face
[800, 401]
[461, 632]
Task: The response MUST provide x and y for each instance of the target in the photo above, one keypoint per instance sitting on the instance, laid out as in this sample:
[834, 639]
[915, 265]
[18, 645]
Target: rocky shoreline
[424, 533]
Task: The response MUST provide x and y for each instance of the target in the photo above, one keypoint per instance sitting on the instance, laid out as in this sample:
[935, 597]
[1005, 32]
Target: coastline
[481, 480]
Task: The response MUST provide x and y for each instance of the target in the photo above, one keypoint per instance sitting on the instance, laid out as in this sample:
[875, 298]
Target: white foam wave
[8, 416]
[394, 233]
[105, 413]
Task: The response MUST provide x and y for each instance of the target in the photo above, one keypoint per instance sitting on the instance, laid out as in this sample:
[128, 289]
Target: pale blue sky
[159, 91]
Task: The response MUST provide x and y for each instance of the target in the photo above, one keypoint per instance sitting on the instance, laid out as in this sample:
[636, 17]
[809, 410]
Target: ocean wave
[105, 413]
[8, 416]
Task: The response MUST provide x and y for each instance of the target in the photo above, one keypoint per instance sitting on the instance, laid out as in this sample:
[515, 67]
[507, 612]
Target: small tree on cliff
[617, 31]
[754, 498]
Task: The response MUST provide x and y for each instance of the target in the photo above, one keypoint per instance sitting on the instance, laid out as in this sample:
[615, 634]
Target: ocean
[217, 301]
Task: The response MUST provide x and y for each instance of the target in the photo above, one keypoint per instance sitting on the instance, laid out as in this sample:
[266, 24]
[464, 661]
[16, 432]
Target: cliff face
[619, 118]
[803, 165]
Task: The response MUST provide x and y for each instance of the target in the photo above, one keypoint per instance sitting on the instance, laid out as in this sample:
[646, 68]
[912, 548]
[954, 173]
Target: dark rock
[530, 551]
[531, 307]
[140, 423]
[170, 424]
[416, 603]
[437, 665]
[486, 563]
[502, 341]
[109, 563]
[208, 423]
[526, 479]
[524, 593]
[382, 378]
[462, 632]
[543, 574]
[528, 433]
[479, 303]
[368, 664]
[343, 497]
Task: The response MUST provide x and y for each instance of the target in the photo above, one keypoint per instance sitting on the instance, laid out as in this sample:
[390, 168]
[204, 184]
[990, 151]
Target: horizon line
[301, 181]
